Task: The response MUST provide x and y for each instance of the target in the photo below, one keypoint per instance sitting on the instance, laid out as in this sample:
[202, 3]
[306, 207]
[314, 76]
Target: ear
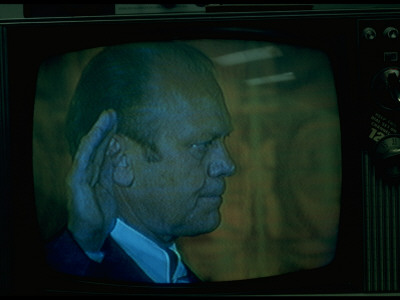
[123, 172]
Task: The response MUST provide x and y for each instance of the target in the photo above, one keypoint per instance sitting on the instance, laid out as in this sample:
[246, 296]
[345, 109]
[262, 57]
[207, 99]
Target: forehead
[191, 103]
[202, 117]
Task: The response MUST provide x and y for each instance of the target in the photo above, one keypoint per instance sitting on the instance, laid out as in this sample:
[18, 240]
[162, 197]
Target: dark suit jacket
[65, 255]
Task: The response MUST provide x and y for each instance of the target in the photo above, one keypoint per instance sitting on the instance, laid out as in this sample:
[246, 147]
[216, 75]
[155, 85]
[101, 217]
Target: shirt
[150, 257]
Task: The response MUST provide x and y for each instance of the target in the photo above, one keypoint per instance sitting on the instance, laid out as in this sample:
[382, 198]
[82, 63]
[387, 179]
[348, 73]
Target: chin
[211, 224]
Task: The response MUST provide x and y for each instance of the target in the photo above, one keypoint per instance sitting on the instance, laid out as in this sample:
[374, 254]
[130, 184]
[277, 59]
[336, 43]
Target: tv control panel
[379, 54]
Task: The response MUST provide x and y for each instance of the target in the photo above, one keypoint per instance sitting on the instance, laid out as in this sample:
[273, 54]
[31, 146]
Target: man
[146, 128]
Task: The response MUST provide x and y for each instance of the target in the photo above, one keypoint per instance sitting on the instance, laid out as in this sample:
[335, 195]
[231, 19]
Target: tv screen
[280, 210]
[234, 141]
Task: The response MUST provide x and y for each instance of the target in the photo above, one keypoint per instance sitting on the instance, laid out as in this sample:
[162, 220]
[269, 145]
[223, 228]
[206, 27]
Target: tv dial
[388, 156]
[386, 88]
[369, 33]
[390, 33]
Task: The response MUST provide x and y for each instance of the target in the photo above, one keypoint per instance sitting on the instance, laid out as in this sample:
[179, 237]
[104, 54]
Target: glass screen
[280, 210]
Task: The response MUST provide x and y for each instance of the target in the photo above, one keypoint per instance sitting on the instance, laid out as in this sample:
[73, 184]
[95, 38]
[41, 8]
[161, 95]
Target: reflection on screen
[281, 208]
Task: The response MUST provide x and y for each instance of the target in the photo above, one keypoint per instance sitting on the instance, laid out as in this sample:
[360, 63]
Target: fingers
[88, 200]
[91, 151]
[85, 169]
[99, 156]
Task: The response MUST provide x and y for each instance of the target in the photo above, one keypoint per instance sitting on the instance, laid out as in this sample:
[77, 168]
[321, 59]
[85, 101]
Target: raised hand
[91, 205]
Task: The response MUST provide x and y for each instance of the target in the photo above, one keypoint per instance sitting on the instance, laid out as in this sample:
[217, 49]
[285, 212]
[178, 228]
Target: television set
[313, 93]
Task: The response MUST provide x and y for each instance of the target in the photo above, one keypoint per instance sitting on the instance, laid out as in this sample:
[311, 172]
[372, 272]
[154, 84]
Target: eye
[200, 149]
[203, 146]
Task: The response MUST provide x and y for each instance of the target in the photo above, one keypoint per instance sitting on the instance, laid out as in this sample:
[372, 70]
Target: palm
[91, 203]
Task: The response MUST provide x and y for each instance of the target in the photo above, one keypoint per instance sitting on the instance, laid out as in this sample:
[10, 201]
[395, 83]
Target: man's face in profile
[181, 194]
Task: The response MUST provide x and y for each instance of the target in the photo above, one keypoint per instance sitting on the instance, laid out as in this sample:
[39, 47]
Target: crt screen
[280, 210]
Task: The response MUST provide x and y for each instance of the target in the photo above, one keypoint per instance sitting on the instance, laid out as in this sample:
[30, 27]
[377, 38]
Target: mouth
[216, 189]
[212, 192]
[211, 201]
[214, 196]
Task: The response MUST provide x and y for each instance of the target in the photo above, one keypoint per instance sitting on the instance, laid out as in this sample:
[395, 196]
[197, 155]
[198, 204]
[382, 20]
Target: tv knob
[369, 33]
[386, 88]
[391, 33]
[388, 156]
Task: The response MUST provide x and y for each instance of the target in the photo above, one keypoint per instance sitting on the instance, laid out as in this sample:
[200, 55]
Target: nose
[221, 163]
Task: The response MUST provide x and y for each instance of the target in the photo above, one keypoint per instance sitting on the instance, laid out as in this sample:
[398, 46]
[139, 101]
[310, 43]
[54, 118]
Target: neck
[145, 227]
[163, 242]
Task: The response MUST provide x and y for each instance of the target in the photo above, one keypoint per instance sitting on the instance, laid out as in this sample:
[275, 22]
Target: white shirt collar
[151, 258]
